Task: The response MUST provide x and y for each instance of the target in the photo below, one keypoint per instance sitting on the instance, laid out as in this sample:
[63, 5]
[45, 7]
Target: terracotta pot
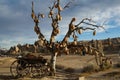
[56, 5]
[33, 15]
[80, 31]
[94, 32]
[60, 8]
[66, 39]
[75, 43]
[42, 15]
[60, 18]
[58, 30]
[51, 12]
[57, 16]
[73, 19]
[49, 16]
[72, 27]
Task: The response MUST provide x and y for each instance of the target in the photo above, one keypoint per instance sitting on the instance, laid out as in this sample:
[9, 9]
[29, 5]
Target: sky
[16, 24]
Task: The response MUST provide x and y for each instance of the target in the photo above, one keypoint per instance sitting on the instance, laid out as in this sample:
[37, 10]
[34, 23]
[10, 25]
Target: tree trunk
[53, 63]
[96, 59]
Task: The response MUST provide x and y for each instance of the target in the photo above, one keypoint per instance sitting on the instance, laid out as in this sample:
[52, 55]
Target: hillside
[108, 45]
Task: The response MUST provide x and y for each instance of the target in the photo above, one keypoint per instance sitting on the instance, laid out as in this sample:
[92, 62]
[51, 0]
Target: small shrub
[89, 69]
[106, 66]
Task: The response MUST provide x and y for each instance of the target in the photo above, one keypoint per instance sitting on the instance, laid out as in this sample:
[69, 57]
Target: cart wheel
[13, 68]
[36, 70]
[23, 68]
[46, 70]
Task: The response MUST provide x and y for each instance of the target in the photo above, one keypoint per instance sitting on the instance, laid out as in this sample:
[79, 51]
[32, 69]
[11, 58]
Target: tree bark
[53, 63]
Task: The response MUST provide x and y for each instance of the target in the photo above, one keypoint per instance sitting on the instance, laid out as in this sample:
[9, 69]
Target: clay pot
[55, 33]
[73, 19]
[61, 45]
[57, 16]
[94, 32]
[91, 51]
[36, 20]
[36, 29]
[51, 13]
[42, 15]
[49, 16]
[60, 8]
[86, 49]
[64, 44]
[66, 48]
[72, 27]
[58, 30]
[80, 31]
[56, 5]
[66, 39]
[96, 52]
[60, 18]
[75, 43]
[53, 39]
[33, 15]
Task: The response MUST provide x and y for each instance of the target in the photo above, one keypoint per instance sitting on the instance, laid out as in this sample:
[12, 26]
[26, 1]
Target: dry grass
[1, 62]
[105, 67]
[65, 66]
[111, 74]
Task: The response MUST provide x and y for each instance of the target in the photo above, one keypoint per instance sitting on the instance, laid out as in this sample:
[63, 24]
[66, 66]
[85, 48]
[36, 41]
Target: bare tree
[74, 30]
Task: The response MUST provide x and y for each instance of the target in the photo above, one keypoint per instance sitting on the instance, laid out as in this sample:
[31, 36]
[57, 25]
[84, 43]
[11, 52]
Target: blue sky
[16, 25]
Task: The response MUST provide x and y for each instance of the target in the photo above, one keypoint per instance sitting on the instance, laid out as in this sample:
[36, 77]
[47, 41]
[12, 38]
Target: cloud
[7, 43]
[100, 11]
[17, 26]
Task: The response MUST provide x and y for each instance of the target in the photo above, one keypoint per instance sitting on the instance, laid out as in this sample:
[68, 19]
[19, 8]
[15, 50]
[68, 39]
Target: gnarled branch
[73, 28]
[36, 21]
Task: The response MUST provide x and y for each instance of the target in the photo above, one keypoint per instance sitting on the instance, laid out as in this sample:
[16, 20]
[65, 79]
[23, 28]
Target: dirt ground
[69, 67]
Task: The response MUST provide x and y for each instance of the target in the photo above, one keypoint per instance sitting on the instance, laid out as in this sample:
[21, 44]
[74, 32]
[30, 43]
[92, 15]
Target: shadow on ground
[7, 77]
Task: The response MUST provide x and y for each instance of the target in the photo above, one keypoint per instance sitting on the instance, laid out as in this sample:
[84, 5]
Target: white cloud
[98, 10]
[7, 43]
[99, 15]
[7, 12]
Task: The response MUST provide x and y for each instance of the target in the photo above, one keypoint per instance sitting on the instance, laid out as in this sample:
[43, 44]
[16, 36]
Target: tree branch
[87, 19]
[55, 19]
[76, 27]
[68, 4]
[91, 24]
[36, 21]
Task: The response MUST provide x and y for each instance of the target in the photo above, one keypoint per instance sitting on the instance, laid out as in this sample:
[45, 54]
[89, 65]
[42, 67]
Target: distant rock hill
[110, 45]
[3, 51]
